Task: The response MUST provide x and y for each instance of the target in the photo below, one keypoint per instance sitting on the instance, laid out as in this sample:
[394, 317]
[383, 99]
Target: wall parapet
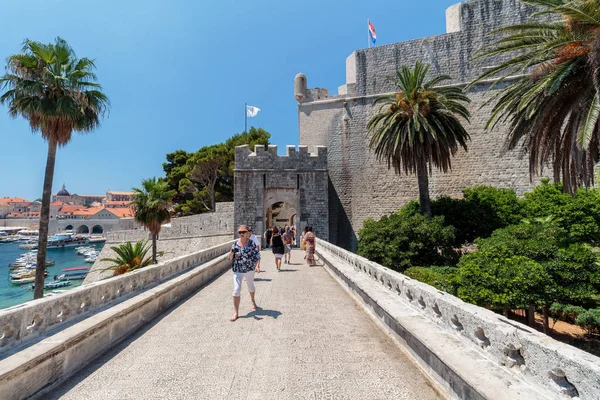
[23, 324]
[514, 350]
[295, 159]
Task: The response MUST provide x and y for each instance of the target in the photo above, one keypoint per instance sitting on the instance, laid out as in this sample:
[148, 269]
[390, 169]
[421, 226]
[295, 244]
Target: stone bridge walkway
[308, 340]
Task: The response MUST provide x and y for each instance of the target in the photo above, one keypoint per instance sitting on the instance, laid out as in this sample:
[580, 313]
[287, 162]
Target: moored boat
[54, 284]
[22, 281]
[63, 240]
[76, 273]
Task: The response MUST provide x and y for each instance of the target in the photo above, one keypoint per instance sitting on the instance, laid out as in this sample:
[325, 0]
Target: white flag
[251, 111]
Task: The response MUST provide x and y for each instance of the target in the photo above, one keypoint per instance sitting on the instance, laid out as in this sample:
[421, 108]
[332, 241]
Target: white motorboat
[76, 273]
[55, 284]
[22, 281]
[63, 240]
[29, 245]
[90, 258]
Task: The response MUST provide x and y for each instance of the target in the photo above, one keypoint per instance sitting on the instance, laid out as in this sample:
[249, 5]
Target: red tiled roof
[70, 209]
[121, 212]
[58, 204]
[8, 200]
[87, 211]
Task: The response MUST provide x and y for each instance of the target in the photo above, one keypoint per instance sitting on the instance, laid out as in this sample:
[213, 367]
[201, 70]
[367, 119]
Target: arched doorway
[97, 229]
[69, 228]
[83, 229]
[281, 214]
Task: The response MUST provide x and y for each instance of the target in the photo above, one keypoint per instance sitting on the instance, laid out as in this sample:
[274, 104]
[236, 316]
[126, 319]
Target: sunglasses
[242, 232]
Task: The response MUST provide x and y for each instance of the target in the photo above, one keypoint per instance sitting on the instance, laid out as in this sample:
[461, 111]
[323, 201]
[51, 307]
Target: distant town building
[64, 196]
[119, 196]
[13, 205]
[81, 213]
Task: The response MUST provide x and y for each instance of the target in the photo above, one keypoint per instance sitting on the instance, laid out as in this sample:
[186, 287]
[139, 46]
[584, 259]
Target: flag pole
[368, 35]
[245, 117]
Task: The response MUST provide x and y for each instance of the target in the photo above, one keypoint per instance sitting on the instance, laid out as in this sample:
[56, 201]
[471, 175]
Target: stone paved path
[309, 340]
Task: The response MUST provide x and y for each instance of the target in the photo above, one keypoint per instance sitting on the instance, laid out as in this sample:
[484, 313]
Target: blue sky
[179, 72]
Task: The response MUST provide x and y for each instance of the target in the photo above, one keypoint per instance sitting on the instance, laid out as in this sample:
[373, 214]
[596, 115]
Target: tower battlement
[295, 158]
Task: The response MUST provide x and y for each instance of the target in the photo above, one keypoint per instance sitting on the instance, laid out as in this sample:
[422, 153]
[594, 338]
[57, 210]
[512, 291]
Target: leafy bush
[407, 238]
[501, 282]
[570, 313]
[443, 278]
[576, 274]
[579, 215]
[482, 210]
[590, 321]
[569, 273]
[557, 311]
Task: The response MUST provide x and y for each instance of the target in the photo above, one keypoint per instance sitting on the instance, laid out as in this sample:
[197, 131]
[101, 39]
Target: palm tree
[130, 257]
[552, 104]
[58, 94]
[418, 126]
[151, 205]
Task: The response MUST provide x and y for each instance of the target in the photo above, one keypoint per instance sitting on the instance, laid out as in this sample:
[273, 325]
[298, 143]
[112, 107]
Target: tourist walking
[288, 238]
[302, 242]
[244, 255]
[278, 247]
[257, 243]
[267, 235]
[310, 242]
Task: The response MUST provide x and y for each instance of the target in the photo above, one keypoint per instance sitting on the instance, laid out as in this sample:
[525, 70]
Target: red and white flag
[372, 33]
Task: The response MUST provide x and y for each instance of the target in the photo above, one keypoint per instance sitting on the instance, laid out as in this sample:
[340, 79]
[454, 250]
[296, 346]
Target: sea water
[11, 295]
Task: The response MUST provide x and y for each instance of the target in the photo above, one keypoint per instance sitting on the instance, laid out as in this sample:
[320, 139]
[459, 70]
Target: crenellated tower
[281, 190]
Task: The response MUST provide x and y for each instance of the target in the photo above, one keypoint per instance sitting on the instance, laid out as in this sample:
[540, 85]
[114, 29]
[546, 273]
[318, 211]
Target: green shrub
[579, 215]
[570, 272]
[407, 238]
[557, 311]
[501, 282]
[443, 278]
[590, 321]
[482, 210]
[571, 313]
[576, 273]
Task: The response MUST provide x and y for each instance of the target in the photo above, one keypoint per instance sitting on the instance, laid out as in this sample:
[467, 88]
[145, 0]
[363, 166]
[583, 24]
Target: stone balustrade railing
[542, 362]
[23, 324]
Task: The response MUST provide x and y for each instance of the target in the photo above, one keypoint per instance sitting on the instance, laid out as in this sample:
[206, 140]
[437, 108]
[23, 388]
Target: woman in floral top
[244, 255]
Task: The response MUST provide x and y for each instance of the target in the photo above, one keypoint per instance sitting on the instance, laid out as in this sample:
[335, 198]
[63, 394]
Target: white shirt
[255, 240]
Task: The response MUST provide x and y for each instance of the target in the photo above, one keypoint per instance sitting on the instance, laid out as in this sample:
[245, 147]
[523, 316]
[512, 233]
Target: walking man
[244, 255]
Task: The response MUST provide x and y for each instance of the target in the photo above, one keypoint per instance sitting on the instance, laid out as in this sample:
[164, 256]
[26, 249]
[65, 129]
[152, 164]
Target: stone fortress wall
[185, 235]
[299, 178]
[361, 187]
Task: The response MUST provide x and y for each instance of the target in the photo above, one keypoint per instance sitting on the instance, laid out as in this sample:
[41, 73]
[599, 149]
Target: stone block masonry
[362, 187]
[262, 179]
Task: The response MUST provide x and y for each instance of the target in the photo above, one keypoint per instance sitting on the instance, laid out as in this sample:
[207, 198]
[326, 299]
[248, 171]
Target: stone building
[112, 196]
[279, 190]
[360, 187]
[75, 199]
[13, 205]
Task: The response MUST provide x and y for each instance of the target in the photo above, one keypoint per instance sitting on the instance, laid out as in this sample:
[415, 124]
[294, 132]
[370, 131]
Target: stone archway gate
[262, 178]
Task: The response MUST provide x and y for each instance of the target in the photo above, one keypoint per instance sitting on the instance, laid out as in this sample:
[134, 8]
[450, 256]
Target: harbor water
[11, 295]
